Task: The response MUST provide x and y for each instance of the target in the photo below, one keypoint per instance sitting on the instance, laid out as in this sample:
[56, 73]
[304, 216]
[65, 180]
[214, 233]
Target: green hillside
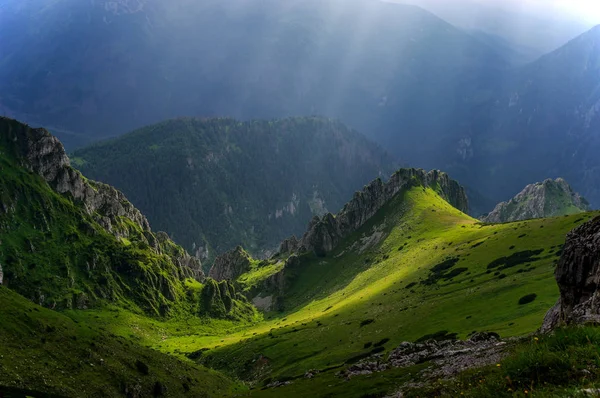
[404, 265]
[434, 269]
[213, 184]
[45, 353]
[401, 290]
[72, 245]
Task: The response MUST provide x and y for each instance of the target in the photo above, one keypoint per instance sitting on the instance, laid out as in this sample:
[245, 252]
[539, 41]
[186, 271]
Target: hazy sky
[587, 11]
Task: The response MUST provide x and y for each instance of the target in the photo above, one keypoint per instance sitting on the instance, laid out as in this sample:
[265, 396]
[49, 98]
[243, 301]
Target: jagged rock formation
[231, 265]
[68, 242]
[578, 278]
[45, 155]
[325, 233]
[42, 153]
[550, 198]
[232, 183]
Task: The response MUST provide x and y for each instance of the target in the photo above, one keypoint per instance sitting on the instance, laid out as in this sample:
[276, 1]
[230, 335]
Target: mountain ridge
[550, 198]
[112, 255]
[216, 183]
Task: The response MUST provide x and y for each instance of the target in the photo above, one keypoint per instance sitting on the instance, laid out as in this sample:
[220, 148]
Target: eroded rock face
[46, 156]
[325, 233]
[578, 278]
[42, 153]
[546, 199]
[231, 265]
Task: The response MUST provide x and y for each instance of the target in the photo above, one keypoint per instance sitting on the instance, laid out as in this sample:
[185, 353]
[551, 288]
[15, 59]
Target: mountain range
[287, 199]
[213, 184]
[362, 302]
[433, 95]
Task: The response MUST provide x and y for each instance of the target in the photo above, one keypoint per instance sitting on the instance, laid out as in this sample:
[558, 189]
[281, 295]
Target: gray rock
[447, 358]
[231, 265]
[325, 233]
[578, 278]
[544, 199]
[44, 154]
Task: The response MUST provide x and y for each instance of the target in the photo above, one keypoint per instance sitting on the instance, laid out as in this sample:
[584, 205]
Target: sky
[586, 10]
[534, 27]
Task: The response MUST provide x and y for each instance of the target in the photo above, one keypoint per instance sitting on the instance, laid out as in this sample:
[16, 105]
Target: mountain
[367, 301]
[399, 264]
[551, 198]
[217, 183]
[532, 28]
[80, 248]
[102, 68]
[69, 242]
[545, 124]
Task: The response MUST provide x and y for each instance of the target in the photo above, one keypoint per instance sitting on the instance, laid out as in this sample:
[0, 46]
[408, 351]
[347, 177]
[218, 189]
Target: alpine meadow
[302, 198]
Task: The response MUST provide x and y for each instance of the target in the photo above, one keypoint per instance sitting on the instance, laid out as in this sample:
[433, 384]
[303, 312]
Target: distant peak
[550, 198]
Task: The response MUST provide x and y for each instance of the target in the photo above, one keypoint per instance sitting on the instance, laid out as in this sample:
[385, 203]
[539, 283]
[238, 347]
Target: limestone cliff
[578, 278]
[325, 233]
[550, 198]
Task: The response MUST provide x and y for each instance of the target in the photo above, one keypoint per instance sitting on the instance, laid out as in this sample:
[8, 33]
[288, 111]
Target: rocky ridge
[578, 278]
[44, 154]
[231, 265]
[325, 233]
[112, 252]
[550, 198]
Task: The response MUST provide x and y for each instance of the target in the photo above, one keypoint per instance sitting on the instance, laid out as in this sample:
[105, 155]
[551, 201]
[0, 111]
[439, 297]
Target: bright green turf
[329, 297]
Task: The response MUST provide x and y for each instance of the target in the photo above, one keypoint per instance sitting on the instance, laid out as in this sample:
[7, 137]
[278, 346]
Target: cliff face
[46, 156]
[550, 198]
[231, 265]
[578, 278]
[70, 242]
[325, 233]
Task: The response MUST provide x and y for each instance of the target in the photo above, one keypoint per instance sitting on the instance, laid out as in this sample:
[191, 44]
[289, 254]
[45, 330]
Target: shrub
[527, 299]
[366, 322]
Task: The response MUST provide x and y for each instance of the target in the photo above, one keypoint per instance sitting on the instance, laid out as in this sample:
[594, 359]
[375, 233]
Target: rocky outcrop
[231, 265]
[37, 151]
[325, 233]
[446, 358]
[45, 155]
[578, 278]
[550, 198]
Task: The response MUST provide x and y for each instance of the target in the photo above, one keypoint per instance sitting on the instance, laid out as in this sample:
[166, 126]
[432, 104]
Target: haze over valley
[300, 198]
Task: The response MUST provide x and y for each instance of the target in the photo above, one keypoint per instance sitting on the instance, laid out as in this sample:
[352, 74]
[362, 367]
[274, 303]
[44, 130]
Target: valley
[300, 198]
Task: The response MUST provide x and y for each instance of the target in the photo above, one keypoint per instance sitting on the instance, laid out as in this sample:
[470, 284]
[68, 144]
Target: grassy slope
[327, 301]
[45, 352]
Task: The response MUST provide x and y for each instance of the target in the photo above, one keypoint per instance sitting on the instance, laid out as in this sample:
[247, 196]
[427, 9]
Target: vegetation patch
[444, 271]
[515, 259]
[527, 299]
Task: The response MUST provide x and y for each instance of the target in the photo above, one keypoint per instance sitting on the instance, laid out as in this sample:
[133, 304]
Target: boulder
[578, 278]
